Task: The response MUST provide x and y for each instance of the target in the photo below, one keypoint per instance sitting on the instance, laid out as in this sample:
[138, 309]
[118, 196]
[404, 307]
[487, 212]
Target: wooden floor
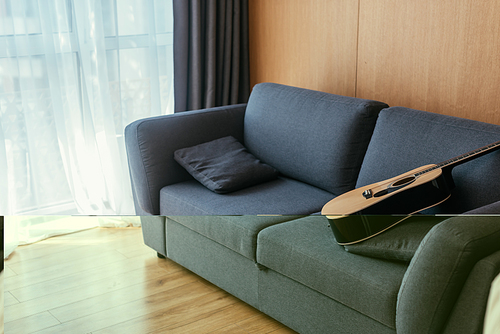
[106, 281]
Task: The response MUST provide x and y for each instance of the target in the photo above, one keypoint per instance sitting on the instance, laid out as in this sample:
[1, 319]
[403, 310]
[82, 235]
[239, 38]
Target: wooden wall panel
[309, 44]
[440, 56]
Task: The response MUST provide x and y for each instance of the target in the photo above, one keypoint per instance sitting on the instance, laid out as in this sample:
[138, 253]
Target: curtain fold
[211, 61]
[73, 74]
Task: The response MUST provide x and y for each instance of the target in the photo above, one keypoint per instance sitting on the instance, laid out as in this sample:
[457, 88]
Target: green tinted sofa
[268, 245]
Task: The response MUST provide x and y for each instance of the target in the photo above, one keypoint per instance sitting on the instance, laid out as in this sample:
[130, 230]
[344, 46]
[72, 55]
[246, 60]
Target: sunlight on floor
[25, 230]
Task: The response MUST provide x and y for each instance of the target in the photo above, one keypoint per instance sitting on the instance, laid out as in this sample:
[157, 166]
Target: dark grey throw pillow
[224, 165]
[399, 242]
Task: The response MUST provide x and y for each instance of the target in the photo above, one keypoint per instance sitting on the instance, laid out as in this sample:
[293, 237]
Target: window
[73, 74]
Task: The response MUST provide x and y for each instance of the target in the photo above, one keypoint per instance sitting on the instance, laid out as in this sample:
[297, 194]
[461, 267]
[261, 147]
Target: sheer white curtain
[73, 74]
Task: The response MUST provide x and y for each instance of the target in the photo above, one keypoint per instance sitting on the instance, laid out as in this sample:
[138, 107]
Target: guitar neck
[464, 157]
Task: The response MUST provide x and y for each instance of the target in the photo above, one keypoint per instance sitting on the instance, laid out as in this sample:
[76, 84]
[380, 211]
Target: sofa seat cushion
[238, 233]
[405, 139]
[281, 196]
[311, 136]
[306, 251]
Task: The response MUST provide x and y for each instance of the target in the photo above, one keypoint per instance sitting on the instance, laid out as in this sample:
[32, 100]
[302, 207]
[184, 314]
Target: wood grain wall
[309, 44]
[440, 56]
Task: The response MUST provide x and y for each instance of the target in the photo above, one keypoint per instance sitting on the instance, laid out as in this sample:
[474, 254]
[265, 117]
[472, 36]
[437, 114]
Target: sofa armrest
[468, 315]
[439, 270]
[151, 143]
[154, 233]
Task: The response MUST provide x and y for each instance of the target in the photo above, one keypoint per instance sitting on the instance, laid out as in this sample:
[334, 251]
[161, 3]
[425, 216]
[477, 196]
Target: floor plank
[31, 323]
[105, 281]
[175, 314]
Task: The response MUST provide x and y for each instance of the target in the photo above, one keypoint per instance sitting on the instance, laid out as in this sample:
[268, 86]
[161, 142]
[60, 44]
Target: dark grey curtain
[211, 66]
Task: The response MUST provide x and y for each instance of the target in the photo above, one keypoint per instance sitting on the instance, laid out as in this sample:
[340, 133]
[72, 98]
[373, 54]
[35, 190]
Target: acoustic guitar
[354, 215]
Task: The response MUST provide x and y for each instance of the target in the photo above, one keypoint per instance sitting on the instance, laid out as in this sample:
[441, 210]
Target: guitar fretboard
[463, 158]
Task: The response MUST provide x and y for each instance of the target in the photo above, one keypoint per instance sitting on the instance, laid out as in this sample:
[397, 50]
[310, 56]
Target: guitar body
[410, 195]
[353, 229]
[355, 215]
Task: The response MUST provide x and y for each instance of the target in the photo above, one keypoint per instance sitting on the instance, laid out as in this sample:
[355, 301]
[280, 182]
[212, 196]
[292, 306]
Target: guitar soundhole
[403, 181]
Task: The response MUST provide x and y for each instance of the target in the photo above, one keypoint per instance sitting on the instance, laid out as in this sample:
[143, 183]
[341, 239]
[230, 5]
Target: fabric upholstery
[281, 196]
[220, 265]
[308, 311]
[305, 251]
[224, 165]
[400, 242]
[488, 209]
[313, 137]
[154, 233]
[473, 299]
[405, 139]
[238, 233]
[440, 269]
[151, 144]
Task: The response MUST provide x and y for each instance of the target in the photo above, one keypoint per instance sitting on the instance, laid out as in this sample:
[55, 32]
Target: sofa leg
[161, 256]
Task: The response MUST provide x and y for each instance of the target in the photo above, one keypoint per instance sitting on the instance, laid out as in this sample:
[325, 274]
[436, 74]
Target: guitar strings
[461, 157]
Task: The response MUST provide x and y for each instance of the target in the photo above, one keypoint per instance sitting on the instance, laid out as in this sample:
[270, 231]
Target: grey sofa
[267, 245]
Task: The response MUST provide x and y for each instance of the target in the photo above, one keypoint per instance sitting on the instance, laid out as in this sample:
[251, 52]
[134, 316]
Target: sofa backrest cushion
[405, 139]
[311, 136]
